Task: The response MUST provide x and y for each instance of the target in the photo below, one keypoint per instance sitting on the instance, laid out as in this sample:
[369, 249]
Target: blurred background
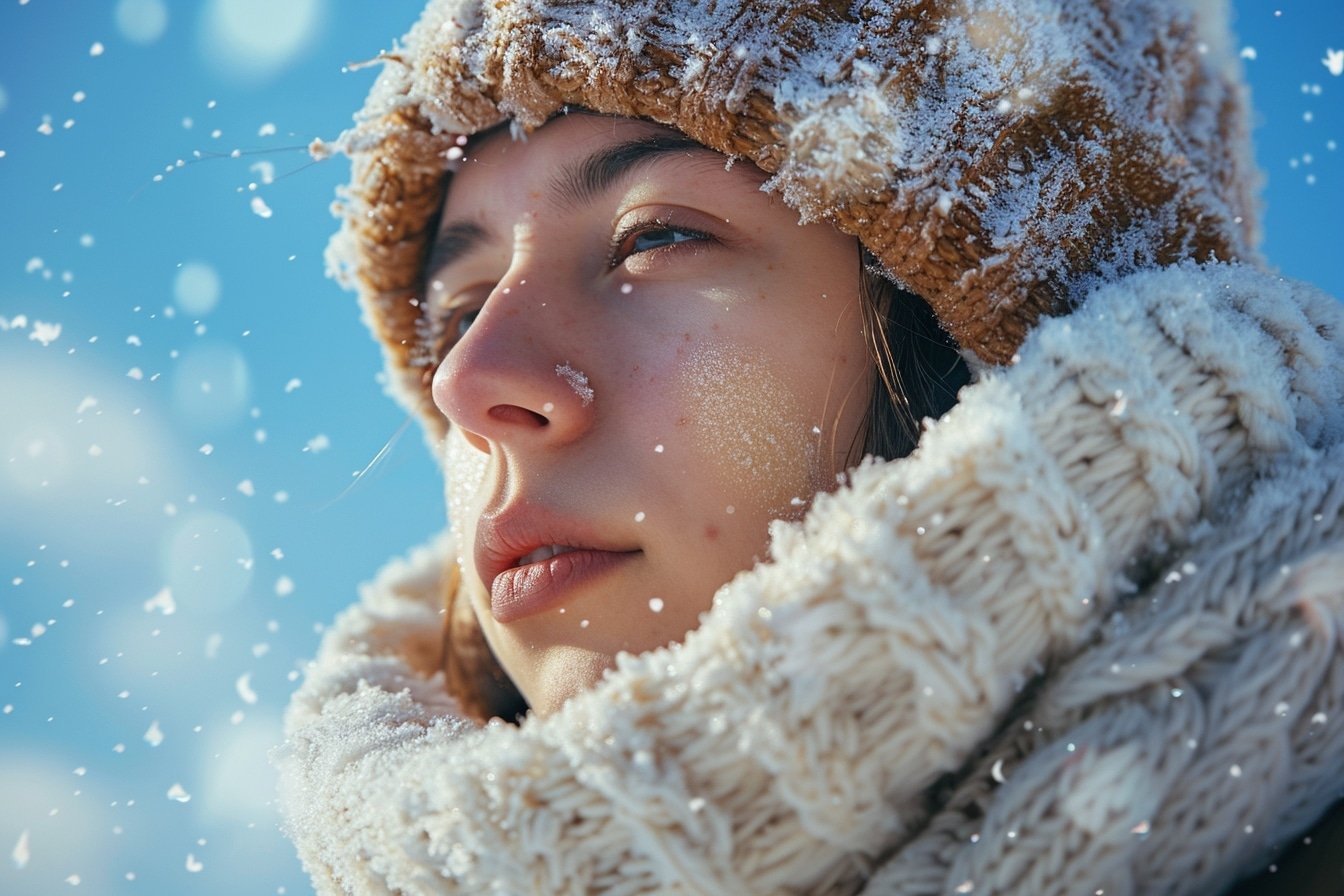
[190, 412]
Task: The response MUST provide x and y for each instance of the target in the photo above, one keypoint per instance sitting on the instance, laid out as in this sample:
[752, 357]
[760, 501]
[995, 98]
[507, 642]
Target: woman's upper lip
[506, 536]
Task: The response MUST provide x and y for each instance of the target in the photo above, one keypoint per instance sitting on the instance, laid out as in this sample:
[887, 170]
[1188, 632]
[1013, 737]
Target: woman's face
[650, 360]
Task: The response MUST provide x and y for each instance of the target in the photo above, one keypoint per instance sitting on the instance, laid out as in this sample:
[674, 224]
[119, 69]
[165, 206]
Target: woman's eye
[650, 237]
[464, 322]
[662, 236]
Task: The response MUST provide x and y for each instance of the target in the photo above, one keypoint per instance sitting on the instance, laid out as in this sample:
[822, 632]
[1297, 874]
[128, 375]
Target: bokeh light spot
[251, 40]
[196, 288]
[142, 21]
[211, 386]
[207, 561]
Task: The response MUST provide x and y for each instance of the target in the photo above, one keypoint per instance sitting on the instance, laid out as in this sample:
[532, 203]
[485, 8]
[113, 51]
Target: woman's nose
[511, 379]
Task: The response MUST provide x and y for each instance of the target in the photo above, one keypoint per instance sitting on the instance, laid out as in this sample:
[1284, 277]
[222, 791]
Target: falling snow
[44, 332]
[117, 444]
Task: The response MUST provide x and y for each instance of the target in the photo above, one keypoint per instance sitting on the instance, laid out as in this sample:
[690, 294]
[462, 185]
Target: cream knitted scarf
[1086, 638]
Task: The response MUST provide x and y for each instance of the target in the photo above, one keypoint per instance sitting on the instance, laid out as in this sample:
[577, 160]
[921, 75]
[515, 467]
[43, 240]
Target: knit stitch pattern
[1088, 636]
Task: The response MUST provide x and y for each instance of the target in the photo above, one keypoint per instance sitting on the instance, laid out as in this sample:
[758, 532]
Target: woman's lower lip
[527, 590]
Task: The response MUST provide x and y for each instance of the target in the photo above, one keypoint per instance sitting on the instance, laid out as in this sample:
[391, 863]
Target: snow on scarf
[1087, 637]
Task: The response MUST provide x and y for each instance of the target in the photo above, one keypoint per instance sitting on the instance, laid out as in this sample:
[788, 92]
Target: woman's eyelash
[626, 241]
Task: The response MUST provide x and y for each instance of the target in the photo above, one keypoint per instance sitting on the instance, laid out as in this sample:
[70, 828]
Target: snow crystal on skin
[578, 381]
[743, 415]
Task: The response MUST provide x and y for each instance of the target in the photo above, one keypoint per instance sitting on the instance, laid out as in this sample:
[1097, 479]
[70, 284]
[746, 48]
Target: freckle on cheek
[748, 425]
[711, 533]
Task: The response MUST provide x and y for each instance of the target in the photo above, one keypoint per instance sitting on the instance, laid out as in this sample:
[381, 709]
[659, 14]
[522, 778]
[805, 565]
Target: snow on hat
[997, 158]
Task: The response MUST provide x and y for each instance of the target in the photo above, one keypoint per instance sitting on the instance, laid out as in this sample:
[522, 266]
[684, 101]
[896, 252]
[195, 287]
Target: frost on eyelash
[578, 381]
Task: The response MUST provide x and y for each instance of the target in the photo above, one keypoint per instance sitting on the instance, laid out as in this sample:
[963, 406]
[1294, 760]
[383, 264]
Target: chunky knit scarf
[1087, 638]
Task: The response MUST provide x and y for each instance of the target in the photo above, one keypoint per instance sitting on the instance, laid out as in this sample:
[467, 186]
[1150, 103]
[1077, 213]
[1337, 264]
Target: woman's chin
[558, 673]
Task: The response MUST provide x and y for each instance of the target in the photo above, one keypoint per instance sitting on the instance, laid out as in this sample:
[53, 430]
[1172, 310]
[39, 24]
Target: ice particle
[21, 853]
[154, 736]
[656, 604]
[178, 793]
[284, 586]
[96, 49]
[244, 688]
[578, 381]
[1334, 61]
[163, 602]
[260, 208]
[45, 333]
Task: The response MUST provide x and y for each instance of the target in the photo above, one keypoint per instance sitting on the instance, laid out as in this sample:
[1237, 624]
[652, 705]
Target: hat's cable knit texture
[1086, 638]
[998, 158]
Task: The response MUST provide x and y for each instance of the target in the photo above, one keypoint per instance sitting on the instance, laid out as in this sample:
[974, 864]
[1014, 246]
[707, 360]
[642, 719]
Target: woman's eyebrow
[452, 243]
[577, 184]
[582, 182]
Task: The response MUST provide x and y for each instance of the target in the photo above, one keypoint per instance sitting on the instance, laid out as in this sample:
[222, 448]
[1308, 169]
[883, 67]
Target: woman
[1084, 638]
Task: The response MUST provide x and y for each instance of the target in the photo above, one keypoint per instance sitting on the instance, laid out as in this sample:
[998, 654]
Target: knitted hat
[997, 158]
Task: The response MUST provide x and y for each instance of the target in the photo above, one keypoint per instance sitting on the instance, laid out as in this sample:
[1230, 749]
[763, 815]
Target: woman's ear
[472, 675]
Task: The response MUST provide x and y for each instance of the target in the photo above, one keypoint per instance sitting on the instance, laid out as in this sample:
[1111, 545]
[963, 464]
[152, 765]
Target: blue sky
[189, 438]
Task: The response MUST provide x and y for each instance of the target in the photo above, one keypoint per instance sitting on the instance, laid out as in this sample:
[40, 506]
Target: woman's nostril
[512, 413]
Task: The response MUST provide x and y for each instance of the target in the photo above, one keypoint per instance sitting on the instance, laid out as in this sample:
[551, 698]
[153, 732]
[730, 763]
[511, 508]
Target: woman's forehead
[573, 159]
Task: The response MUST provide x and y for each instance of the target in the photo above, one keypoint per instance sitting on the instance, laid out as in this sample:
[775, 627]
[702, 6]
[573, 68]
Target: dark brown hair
[919, 369]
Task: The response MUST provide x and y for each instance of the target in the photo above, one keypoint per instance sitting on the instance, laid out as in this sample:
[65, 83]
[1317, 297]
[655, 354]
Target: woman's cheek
[749, 430]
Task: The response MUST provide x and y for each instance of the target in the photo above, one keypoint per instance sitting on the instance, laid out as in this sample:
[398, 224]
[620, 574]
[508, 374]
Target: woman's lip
[524, 591]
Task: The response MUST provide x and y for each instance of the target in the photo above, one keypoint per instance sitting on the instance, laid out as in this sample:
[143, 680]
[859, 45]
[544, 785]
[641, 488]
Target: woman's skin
[652, 360]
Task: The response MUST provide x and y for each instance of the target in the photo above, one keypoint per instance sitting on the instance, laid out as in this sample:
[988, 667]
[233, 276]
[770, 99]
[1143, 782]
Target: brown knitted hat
[997, 157]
